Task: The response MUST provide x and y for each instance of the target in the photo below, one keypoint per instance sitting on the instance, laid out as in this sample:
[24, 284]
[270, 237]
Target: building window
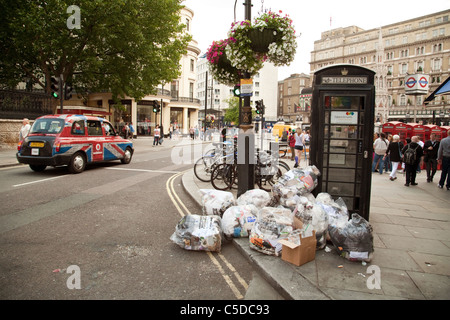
[174, 89]
[390, 70]
[437, 64]
[402, 100]
[187, 24]
[192, 65]
[420, 66]
[191, 90]
[437, 47]
[403, 68]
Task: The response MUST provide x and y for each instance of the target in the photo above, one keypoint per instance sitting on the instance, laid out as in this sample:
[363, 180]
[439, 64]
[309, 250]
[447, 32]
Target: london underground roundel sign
[423, 82]
[411, 82]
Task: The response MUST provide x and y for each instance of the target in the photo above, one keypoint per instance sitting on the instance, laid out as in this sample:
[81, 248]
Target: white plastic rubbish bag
[354, 240]
[199, 233]
[238, 221]
[313, 214]
[272, 225]
[295, 183]
[336, 210]
[216, 202]
[257, 197]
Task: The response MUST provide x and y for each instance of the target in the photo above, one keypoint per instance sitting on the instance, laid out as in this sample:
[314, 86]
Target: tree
[232, 113]
[127, 47]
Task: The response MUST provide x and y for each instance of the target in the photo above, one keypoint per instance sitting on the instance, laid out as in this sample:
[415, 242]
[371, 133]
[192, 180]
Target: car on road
[72, 140]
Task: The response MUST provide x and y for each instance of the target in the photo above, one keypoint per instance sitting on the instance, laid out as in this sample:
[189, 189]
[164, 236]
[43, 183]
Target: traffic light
[237, 90]
[259, 107]
[55, 87]
[156, 106]
[67, 92]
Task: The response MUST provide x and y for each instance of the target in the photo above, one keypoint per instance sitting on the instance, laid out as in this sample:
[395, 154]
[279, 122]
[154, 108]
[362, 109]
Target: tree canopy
[127, 47]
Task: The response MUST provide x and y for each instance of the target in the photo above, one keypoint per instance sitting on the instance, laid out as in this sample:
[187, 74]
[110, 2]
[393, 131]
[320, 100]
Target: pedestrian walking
[394, 153]
[298, 147]
[156, 135]
[387, 160]
[421, 144]
[25, 129]
[379, 146]
[444, 160]
[291, 140]
[412, 157]
[131, 131]
[430, 151]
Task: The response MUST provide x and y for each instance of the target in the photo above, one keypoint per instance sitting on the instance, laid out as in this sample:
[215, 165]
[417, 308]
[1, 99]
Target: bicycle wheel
[223, 176]
[202, 168]
[266, 177]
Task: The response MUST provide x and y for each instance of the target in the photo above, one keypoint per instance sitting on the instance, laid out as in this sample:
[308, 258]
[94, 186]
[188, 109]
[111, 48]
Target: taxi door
[96, 139]
[112, 150]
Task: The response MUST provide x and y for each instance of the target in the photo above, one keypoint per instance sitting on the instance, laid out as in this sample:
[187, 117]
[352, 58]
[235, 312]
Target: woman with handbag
[394, 152]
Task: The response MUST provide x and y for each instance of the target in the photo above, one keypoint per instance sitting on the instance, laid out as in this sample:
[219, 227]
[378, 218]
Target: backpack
[410, 155]
[291, 140]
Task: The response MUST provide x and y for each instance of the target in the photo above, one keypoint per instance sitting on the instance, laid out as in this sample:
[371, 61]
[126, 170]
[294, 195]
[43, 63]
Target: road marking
[37, 181]
[144, 170]
[185, 211]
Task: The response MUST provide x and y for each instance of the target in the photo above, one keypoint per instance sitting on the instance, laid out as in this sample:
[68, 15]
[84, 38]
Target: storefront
[145, 118]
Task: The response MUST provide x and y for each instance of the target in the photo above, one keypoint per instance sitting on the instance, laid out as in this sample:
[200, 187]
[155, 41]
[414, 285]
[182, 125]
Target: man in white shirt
[25, 129]
[380, 146]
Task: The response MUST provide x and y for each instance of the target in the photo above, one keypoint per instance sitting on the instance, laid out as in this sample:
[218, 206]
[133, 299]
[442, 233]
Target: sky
[213, 18]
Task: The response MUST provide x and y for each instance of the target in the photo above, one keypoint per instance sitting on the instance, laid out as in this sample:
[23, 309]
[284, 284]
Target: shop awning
[444, 88]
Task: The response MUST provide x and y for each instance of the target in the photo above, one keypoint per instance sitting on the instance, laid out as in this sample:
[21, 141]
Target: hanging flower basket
[239, 49]
[260, 39]
[282, 50]
[220, 66]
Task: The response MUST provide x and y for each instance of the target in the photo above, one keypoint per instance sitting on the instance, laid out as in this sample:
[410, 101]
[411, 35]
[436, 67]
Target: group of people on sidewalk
[297, 140]
[411, 156]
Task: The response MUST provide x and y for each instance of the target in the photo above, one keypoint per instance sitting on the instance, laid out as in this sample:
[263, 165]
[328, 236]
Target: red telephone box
[389, 127]
[438, 131]
[423, 132]
[404, 130]
[446, 128]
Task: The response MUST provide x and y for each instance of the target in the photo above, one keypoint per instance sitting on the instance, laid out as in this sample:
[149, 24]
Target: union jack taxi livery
[72, 140]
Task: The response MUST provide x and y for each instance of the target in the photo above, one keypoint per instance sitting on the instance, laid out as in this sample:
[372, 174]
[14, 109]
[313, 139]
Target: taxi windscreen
[47, 126]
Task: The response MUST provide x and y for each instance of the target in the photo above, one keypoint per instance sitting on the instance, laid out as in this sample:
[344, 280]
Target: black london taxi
[72, 140]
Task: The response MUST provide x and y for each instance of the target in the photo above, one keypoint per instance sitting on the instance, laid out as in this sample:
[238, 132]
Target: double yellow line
[182, 210]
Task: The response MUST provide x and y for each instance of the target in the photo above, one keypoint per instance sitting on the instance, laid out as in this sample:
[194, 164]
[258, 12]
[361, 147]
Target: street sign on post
[246, 87]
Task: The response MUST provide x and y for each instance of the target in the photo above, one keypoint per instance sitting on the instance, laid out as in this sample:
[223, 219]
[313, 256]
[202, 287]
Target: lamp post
[206, 106]
[246, 175]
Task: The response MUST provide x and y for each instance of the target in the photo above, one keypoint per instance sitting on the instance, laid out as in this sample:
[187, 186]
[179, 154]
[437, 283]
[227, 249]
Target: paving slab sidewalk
[412, 249]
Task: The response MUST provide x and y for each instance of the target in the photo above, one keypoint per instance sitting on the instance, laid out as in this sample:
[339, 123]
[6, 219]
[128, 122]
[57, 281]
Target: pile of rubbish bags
[266, 218]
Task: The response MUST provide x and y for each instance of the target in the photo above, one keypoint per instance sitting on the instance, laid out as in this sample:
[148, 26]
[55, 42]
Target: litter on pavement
[288, 222]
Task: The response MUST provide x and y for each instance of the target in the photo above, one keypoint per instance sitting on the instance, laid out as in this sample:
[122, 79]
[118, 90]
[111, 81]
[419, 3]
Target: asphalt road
[104, 234]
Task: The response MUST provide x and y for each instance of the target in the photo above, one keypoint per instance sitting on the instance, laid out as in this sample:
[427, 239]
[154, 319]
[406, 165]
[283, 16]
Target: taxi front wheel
[127, 156]
[77, 163]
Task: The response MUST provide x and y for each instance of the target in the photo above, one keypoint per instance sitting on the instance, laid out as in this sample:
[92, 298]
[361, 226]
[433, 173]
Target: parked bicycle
[204, 165]
[268, 170]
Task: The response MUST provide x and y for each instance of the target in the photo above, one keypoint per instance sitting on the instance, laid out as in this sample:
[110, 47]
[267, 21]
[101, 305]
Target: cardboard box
[299, 254]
